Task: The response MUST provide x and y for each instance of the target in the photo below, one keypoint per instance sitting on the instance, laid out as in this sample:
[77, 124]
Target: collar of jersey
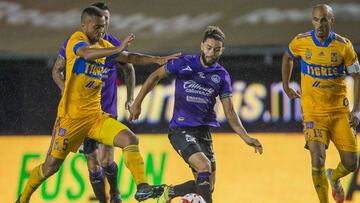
[326, 43]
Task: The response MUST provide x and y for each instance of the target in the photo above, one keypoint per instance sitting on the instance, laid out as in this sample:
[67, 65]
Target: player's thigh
[316, 128]
[343, 136]
[67, 136]
[184, 142]
[106, 128]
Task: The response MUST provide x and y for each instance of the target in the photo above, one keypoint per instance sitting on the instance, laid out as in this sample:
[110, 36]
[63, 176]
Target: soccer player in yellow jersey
[79, 111]
[326, 58]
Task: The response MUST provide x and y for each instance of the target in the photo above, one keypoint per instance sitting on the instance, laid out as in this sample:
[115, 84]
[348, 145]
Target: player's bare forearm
[356, 77]
[57, 72]
[233, 118]
[286, 69]
[141, 59]
[129, 74]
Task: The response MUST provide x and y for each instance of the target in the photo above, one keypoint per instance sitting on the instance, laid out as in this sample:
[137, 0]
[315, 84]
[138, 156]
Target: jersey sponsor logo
[319, 85]
[198, 100]
[191, 86]
[190, 138]
[188, 68]
[215, 78]
[324, 72]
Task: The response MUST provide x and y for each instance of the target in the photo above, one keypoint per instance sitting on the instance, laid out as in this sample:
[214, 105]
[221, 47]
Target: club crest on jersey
[334, 56]
[215, 78]
[308, 54]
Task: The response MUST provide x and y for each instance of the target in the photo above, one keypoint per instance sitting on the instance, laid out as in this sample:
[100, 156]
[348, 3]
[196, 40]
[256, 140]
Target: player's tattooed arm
[129, 74]
[237, 126]
[57, 73]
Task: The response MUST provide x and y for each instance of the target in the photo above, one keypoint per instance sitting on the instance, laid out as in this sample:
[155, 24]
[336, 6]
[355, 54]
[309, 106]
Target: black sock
[111, 173]
[98, 185]
[203, 186]
[183, 189]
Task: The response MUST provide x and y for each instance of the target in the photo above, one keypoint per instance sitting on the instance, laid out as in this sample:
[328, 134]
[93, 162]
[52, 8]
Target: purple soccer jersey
[109, 77]
[196, 89]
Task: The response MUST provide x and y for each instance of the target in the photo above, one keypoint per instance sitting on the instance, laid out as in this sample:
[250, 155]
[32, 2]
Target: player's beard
[209, 63]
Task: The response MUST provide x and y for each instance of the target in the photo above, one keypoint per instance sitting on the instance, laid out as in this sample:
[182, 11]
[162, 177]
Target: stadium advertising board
[278, 176]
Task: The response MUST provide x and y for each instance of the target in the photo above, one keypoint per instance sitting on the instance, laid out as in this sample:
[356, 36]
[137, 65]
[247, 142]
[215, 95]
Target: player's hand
[291, 93]
[164, 59]
[354, 119]
[255, 143]
[135, 111]
[127, 41]
[128, 103]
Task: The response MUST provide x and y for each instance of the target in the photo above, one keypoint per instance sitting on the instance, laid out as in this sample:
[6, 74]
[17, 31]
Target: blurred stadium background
[258, 32]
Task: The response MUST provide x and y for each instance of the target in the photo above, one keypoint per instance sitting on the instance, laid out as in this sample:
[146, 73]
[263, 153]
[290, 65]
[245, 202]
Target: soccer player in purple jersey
[199, 80]
[90, 147]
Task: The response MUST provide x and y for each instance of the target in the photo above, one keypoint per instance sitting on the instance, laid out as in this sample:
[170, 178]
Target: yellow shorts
[334, 127]
[68, 134]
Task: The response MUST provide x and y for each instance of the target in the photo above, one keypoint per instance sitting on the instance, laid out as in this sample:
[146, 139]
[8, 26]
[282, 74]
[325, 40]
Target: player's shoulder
[341, 39]
[303, 35]
[112, 39]
[79, 35]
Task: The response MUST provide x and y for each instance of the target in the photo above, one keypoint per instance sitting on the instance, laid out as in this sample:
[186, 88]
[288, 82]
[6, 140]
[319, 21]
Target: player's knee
[204, 166]
[92, 162]
[126, 138]
[351, 166]
[106, 161]
[50, 169]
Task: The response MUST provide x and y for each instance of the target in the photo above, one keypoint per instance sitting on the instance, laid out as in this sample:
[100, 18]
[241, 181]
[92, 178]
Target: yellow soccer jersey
[81, 96]
[323, 70]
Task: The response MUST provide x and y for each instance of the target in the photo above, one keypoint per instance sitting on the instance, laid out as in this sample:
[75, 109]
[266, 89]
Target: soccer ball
[192, 198]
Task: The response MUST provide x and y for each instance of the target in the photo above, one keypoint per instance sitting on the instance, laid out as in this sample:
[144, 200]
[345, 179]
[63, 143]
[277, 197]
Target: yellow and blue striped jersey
[81, 96]
[323, 71]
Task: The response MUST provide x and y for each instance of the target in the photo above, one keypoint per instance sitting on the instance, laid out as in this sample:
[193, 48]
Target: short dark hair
[101, 5]
[214, 32]
[91, 11]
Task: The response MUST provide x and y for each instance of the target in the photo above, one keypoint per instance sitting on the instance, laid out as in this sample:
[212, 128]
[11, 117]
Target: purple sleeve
[225, 89]
[173, 66]
[62, 52]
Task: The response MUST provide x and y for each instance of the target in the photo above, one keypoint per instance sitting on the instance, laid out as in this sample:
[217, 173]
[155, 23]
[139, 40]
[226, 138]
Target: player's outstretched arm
[286, 70]
[237, 126]
[129, 75]
[89, 53]
[57, 73]
[143, 59]
[149, 84]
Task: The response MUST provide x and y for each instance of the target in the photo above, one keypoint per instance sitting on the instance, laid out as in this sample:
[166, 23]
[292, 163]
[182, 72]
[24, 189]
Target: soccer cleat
[116, 198]
[18, 199]
[146, 191]
[337, 189]
[165, 197]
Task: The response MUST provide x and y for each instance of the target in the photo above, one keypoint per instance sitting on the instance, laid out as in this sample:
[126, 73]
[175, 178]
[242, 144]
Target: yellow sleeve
[77, 40]
[293, 49]
[350, 56]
